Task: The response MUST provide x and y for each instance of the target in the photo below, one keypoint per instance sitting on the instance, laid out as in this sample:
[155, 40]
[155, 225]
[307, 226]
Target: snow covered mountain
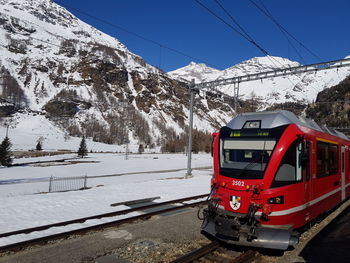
[301, 88]
[198, 72]
[86, 82]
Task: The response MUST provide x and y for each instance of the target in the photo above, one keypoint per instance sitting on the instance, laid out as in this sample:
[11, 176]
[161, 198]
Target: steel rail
[80, 231]
[245, 257]
[198, 253]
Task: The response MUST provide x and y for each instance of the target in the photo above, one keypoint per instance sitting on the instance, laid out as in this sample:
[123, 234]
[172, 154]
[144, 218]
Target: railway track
[214, 252]
[161, 207]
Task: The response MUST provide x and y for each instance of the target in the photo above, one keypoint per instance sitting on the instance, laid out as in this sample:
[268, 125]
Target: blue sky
[321, 25]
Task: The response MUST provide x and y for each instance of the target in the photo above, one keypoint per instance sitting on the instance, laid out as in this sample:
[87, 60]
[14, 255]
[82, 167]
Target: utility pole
[190, 128]
[126, 122]
[127, 149]
[236, 94]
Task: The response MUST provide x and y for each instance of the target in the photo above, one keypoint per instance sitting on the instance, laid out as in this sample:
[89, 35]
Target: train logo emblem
[235, 202]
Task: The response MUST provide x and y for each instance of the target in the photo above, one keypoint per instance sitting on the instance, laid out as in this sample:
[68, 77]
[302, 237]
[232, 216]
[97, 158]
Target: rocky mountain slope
[332, 106]
[86, 82]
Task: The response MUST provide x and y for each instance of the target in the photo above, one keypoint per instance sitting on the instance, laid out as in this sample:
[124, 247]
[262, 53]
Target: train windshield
[245, 158]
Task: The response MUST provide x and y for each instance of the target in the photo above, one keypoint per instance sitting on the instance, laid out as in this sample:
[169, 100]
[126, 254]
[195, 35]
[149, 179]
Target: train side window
[333, 159]
[348, 159]
[289, 170]
[322, 159]
[327, 159]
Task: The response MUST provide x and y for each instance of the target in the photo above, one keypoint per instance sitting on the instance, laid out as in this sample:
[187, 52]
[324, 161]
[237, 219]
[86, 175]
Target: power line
[282, 29]
[267, 13]
[234, 29]
[234, 20]
[136, 34]
[244, 34]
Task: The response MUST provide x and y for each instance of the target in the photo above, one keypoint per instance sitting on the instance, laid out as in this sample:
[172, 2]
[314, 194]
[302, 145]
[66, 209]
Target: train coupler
[232, 231]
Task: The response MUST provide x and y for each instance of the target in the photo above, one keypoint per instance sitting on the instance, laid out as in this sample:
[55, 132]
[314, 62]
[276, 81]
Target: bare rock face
[332, 106]
[6, 108]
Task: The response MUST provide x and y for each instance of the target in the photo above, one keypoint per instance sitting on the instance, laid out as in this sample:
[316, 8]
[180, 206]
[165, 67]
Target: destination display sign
[226, 132]
[250, 133]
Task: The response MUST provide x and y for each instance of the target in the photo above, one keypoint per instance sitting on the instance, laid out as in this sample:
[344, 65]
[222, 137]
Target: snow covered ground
[25, 205]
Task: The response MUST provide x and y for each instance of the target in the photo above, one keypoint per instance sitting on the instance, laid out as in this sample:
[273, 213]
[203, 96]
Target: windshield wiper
[248, 166]
[254, 161]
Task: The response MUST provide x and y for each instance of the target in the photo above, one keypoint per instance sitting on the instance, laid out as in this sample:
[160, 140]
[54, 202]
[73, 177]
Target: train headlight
[276, 200]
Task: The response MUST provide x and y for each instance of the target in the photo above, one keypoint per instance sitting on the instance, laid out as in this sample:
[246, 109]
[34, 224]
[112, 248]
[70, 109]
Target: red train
[273, 173]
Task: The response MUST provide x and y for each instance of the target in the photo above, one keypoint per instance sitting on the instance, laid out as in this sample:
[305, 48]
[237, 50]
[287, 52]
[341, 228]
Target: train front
[247, 153]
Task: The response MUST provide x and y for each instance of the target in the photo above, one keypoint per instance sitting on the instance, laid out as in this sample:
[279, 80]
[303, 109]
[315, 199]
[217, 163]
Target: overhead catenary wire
[246, 33]
[267, 13]
[234, 20]
[234, 29]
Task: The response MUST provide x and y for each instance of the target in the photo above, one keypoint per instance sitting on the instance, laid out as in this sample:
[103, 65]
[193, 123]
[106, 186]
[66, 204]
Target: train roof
[273, 119]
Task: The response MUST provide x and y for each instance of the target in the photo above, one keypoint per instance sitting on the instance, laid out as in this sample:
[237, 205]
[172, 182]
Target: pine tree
[5, 152]
[141, 148]
[82, 148]
[39, 146]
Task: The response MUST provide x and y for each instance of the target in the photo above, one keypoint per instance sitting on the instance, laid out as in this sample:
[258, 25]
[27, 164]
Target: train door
[342, 173]
[307, 173]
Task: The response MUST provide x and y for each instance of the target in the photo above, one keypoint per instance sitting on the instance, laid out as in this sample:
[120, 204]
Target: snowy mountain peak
[199, 72]
[259, 64]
